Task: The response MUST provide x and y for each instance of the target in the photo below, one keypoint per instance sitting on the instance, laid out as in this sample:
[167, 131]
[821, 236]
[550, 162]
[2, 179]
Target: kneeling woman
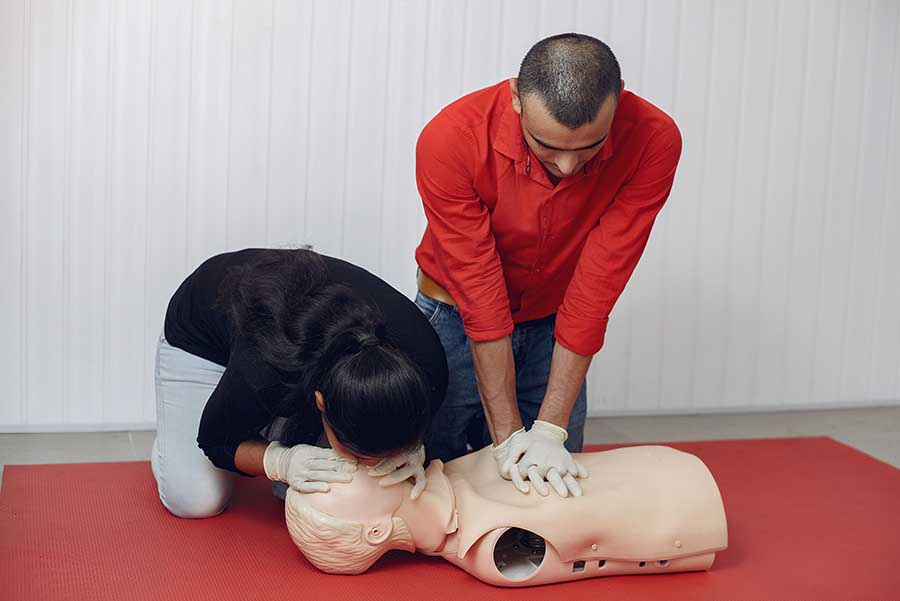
[263, 352]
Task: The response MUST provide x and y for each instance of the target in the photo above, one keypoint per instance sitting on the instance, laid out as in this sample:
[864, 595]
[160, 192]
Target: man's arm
[495, 372]
[567, 373]
[469, 267]
[609, 256]
[614, 247]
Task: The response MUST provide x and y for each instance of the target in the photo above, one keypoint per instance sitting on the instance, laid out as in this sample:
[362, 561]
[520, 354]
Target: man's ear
[320, 401]
[514, 89]
[621, 86]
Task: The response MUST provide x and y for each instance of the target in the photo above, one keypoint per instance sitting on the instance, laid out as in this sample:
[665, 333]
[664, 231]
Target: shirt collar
[507, 129]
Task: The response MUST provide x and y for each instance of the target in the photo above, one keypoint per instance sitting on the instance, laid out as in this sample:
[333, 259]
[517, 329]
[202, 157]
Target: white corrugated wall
[138, 137]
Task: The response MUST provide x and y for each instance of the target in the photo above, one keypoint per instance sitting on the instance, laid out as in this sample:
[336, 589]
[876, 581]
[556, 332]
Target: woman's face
[339, 448]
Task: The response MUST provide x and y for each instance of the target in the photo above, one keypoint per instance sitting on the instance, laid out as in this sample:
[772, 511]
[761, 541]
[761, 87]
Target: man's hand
[507, 453]
[540, 455]
[307, 468]
[400, 468]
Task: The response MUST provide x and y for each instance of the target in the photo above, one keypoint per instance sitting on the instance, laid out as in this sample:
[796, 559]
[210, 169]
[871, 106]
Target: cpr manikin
[646, 509]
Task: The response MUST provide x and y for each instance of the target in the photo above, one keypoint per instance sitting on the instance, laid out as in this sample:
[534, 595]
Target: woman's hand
[400, 468]
[307, 468]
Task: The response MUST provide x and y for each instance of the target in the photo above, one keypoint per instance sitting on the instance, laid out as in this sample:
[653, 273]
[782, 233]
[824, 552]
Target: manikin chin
[648, 509]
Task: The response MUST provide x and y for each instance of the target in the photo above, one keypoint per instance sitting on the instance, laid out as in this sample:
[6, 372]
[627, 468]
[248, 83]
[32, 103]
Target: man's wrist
[550, 429]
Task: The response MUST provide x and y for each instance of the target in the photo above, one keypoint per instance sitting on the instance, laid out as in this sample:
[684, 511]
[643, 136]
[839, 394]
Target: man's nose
[567, 164]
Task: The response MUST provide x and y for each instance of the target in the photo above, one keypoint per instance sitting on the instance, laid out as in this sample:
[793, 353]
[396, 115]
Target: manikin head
[566, 96]
[346, 530]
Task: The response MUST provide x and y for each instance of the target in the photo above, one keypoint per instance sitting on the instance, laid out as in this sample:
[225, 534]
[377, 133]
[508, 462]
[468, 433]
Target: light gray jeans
[189, 485]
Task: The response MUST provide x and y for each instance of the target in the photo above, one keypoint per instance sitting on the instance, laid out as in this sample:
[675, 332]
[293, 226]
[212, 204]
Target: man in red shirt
[540, 194]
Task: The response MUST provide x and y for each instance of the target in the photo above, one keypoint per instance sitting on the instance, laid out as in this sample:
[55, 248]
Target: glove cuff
[549, 429]
[273, 459]
[503, 444]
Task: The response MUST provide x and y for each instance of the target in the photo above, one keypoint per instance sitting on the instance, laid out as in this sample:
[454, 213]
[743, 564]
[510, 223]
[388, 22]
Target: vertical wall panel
[884, 375]
[167, 175]
[811, 199]
[363, 166]
[627, 37]
[748, 201]
[443, 78]
[249, 124]
[87, 215]
[139, 138]
[713, 250]
[514, 41]
[778, 200]
[45, 207]
[557, 17]
[682, 214]
[329, 85]
[209, 111]
[14, 69]
[596, 18]
[289, 122]
[481, 45]
[127, 229]
[400, 203]
[841, 177]
[861, 318]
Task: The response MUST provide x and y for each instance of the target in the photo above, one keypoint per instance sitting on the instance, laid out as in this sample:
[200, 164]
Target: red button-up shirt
[509, 246]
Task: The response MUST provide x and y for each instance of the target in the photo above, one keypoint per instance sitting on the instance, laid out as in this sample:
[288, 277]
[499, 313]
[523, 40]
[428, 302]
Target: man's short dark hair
[573, 74]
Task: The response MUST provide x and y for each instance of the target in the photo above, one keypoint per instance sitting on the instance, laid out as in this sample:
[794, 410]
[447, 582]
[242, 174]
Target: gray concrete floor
[875, 431]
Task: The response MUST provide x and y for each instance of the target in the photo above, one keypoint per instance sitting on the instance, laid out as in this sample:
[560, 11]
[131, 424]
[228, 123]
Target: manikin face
[561, 150]
[377, 517]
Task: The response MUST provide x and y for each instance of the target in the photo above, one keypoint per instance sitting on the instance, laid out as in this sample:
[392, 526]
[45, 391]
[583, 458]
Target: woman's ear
[320, 401]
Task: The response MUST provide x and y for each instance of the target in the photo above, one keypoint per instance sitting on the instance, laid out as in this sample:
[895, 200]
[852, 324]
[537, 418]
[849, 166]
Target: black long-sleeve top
[243, 402]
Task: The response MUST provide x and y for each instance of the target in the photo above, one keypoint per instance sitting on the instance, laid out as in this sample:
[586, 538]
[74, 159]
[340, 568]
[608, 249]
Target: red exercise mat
[808, 519]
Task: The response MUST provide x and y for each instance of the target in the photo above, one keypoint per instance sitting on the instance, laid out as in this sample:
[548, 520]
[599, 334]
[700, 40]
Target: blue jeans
[459, 424]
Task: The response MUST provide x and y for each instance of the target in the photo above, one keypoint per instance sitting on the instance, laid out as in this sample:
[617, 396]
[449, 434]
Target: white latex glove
[507, 452]
[399, 468]
[306, 468]
[540, 455]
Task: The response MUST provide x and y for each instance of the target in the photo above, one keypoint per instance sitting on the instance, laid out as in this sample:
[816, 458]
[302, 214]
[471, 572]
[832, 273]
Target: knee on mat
[193, 503]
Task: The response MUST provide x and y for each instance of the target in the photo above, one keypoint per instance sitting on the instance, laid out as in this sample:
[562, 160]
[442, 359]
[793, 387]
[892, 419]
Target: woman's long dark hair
[324, 336]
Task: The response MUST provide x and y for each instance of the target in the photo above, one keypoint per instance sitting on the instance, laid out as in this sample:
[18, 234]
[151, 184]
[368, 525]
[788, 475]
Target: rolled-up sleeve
[467, 262]
[615, 245]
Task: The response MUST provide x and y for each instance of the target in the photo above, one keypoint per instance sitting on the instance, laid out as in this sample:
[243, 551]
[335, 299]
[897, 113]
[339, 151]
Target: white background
[139, 137]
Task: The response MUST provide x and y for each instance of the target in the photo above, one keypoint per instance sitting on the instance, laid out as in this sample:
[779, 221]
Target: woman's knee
[193, 493]
[192, 502]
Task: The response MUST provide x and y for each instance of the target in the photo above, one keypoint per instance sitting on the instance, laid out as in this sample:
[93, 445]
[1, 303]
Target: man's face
[561, 150]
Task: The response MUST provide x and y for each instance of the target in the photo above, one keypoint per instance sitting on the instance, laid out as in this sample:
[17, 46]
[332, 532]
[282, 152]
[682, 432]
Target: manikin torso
[644, 509]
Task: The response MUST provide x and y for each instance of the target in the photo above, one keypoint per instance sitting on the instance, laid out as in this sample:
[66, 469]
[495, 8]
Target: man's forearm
[495, 372]
[567, 374]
